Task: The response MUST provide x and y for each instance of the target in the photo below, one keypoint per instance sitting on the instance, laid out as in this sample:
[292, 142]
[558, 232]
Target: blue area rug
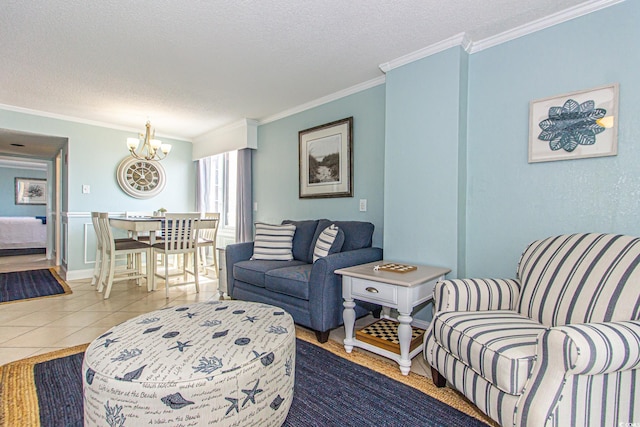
[21, 285]
[329, 391]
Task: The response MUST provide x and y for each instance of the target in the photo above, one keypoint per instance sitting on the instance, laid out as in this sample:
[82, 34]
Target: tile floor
[29, 328]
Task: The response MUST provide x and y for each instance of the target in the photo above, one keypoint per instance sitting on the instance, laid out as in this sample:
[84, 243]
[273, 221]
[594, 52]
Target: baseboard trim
[78, 274]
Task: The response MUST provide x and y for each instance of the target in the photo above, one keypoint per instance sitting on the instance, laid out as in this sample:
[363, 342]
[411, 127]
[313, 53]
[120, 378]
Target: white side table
[402, 291]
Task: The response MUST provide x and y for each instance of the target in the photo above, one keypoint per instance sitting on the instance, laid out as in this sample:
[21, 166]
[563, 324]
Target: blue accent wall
[459, 191]
[425, 163]
[275, 164]
[8, 205]
[422, 155]
[511, 202]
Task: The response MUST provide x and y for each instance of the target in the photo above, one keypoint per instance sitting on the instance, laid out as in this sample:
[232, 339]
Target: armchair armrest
[235, 253]
[601, 348]
[325, 287]
[576, 350]
[476, 294]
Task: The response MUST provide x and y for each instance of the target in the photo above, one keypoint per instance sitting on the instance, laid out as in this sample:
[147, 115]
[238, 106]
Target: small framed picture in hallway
[31, 191]
[326, 160]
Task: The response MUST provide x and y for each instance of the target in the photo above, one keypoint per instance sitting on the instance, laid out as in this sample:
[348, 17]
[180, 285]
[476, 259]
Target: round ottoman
[217, 363]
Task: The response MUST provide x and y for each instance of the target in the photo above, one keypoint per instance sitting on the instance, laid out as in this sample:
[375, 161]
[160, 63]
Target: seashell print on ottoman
[217, 363]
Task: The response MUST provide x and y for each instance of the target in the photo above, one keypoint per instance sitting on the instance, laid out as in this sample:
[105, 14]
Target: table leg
[386, 312]
[150, 272]
[349, 316]
[404, 336]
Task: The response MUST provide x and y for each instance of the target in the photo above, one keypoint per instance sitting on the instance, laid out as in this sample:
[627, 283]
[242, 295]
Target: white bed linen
[22, 232]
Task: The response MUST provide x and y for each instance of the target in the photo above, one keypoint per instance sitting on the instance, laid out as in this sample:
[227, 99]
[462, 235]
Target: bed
[26, 234]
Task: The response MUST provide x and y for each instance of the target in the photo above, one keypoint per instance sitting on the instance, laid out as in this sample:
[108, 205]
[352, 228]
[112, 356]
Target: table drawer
[371, 291]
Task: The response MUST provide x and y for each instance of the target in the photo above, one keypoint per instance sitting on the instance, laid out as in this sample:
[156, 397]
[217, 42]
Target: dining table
[151, 224]
[138, 225]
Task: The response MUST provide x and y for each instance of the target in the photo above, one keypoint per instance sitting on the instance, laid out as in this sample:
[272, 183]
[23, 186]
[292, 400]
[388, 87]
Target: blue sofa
[310, 291]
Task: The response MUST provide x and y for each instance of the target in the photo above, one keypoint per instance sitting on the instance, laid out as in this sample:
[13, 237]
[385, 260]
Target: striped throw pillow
[324, 242]
[273, 242]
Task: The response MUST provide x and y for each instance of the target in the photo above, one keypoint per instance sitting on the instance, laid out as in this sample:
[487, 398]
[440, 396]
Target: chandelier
[147, 147]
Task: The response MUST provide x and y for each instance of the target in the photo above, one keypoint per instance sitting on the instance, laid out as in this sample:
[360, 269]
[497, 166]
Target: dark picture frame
[326, 160]
[31, 191]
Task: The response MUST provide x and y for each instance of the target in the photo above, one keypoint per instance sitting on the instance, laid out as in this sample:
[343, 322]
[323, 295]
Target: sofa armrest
[233, 254]
[325, 287]
[576, 350]
[339, 260]
[476, 294]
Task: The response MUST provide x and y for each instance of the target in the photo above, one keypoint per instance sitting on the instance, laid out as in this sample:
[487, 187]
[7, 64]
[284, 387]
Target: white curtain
[244, 210]
[203, 184]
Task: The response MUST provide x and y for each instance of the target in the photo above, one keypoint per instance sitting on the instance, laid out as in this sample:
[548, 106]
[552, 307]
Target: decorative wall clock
[141, 179]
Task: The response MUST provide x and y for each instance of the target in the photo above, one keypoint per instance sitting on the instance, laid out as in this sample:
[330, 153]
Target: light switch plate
[363, 205]
[86, 189]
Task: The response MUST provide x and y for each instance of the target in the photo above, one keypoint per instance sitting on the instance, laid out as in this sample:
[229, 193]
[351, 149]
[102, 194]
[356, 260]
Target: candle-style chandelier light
[147, 147]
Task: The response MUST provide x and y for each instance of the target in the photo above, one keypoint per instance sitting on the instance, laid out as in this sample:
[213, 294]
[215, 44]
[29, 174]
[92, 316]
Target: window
[220, 174]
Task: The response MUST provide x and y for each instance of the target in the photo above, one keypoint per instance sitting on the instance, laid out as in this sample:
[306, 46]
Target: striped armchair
[557, 346]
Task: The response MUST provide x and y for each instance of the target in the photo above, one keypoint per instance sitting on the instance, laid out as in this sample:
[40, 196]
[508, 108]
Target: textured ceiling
[192, 66]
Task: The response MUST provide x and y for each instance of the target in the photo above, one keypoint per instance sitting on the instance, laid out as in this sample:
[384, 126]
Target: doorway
[39, 157]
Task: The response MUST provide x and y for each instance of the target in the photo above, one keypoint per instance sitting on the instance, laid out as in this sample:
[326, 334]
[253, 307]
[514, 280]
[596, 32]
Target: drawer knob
[372, 290]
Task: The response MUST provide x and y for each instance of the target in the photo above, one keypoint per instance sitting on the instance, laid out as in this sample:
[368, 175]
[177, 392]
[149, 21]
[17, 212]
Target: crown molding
[325, 99]
[56, 116]
[463, 40]
[457, 40]
[541, 24]
[231, 126]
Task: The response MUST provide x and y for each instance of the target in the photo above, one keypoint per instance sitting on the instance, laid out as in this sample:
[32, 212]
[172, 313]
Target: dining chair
[180, 231]
[207, 239]
[97, 268]
[112, 249]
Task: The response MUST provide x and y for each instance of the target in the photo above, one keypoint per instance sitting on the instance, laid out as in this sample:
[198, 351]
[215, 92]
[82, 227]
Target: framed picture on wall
[574, 125]
[326, 160]
[31, 191]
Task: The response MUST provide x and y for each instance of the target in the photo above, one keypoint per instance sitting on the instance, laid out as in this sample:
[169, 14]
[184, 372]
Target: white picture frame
[575, 125]
[31, 191]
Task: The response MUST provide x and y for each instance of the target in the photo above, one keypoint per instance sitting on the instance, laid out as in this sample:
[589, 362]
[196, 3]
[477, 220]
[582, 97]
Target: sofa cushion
[303, 238]
[499, 345]
[273, 242]
[357, 234]
[253, 271]
[330, 241]
[292, 281]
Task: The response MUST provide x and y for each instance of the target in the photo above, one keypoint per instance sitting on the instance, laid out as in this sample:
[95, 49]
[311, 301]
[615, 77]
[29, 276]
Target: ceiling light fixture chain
[151, 148]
